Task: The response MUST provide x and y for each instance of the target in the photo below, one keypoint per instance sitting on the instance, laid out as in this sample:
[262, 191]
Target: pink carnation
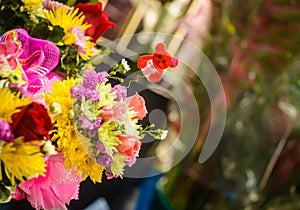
[138, 104]
[130, 145]
[54, 190]
[115, 112]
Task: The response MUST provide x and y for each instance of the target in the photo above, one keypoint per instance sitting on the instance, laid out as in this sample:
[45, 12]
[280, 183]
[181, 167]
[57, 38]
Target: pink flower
[9, 52]
[54, 190]
[130, 145]
[137, 103]
[48, 4]
[81, 40]
[115, 112]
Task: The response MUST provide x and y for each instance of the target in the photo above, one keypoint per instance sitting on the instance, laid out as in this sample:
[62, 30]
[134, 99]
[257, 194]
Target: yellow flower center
[69, 39]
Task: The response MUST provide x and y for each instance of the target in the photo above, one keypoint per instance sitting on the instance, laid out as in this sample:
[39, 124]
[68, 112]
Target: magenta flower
[109, 175]
[5, 131]
[97, 123]
[38, 58]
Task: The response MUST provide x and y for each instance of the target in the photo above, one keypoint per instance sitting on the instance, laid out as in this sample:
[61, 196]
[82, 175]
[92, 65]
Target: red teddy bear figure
[153, 66]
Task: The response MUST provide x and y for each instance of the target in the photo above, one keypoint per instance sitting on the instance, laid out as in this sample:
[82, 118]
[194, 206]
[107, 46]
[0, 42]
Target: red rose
[130, 145]
[95, 16]
[32, 122]
[137, 103]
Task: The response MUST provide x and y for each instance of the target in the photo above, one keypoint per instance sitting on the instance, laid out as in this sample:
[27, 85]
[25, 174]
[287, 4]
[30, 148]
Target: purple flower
[97, 123]
[100, 146]
[120, 91]
[5, 131]
[130, 161]
[104, 160]
[77, 92]
[92, 94]
[81, 91]
[102, 76]
[91, 79]
[109, 175]
[86, 123]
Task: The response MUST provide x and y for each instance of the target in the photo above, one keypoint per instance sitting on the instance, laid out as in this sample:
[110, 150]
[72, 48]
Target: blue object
[146, 192]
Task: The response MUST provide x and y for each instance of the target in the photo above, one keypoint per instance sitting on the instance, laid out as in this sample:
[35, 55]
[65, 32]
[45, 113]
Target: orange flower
[130, 145]
[138, 104]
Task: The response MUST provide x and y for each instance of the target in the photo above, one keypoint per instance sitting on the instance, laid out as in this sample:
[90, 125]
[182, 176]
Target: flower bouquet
[60, 120]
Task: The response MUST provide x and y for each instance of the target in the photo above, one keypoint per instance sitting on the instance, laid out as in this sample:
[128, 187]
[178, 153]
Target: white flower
[125, 65]
[164, 134]
[55, 108]
[48, 148]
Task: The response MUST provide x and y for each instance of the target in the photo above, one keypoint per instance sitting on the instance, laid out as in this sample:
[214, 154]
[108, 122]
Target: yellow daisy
[89, 50]
[32, 4]
[21, 160]
[61, 95]
[65, 18]
[72, 23]
[10, 103]
[65, 134]
[77, 156]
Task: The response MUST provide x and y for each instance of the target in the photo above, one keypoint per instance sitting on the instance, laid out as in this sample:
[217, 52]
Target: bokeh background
[254, 46]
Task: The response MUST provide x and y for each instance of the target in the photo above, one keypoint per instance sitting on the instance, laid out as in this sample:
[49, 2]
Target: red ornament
[153, 66]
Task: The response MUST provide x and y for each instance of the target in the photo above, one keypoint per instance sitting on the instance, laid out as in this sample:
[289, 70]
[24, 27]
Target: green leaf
[56, 34]
[40, 30]
[5, 194]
